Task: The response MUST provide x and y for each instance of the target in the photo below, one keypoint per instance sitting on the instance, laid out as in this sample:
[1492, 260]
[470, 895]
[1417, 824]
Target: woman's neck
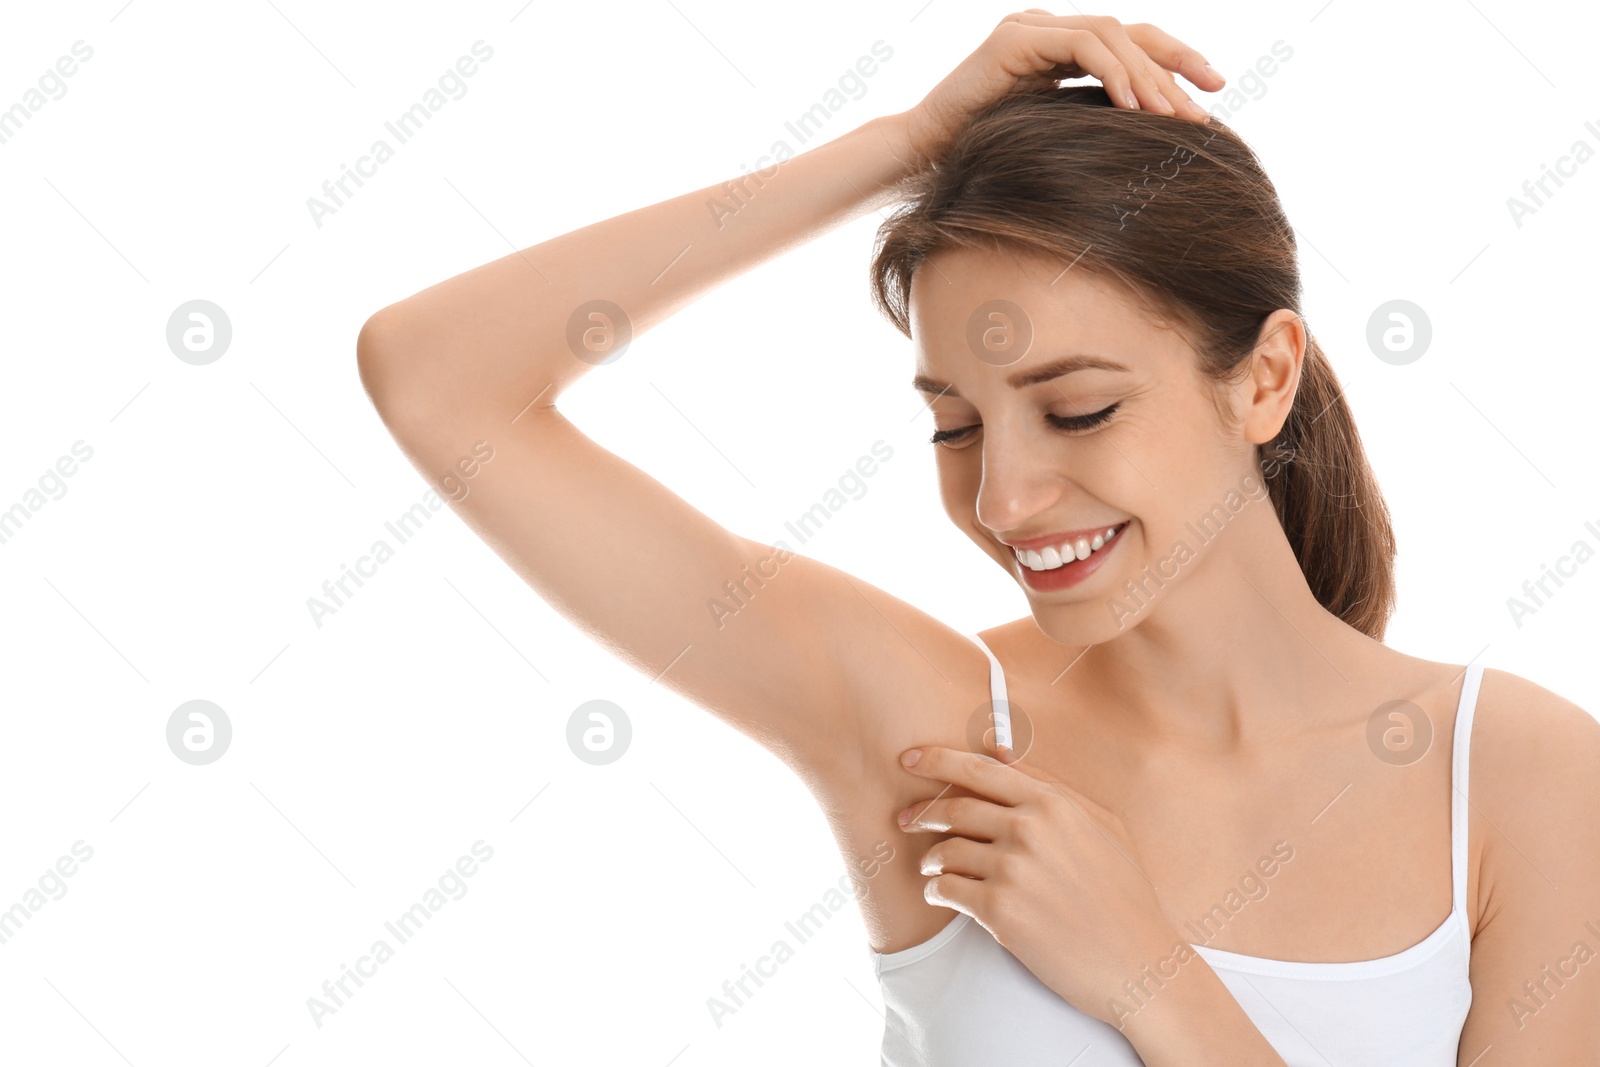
[1217, 655]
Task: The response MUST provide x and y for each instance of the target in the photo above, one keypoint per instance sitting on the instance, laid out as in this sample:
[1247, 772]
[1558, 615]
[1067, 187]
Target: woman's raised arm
[475, 365]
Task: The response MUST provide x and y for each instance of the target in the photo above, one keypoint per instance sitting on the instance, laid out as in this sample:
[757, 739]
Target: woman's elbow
[380, 361]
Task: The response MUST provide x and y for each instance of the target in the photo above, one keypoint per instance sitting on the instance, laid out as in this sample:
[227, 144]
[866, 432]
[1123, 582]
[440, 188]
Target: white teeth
[1048, 559]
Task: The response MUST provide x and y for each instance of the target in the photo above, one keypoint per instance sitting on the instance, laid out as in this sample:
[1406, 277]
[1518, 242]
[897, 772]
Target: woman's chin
[1076, 623]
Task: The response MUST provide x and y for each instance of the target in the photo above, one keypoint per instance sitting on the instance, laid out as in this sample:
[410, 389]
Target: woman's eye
[944, 436]
[1060, 422]
[1082, 422]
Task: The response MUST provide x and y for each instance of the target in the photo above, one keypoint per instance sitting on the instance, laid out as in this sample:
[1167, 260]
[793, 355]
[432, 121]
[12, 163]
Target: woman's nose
[1017, 483]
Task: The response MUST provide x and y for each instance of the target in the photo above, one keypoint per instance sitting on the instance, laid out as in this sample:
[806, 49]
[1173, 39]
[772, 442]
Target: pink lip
[1052, 540]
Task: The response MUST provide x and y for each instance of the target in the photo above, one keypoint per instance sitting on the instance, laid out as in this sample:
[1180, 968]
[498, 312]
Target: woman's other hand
[1034, 49]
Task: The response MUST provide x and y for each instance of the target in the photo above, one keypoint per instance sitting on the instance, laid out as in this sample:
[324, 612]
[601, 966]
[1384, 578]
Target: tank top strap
[1460, 764]
[1001, 707]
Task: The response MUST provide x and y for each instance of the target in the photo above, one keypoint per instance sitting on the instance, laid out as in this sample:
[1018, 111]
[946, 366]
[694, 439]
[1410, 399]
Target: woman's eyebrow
[1023, 378]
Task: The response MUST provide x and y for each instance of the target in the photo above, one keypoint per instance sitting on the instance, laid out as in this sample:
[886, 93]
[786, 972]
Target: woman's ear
[1275, 362]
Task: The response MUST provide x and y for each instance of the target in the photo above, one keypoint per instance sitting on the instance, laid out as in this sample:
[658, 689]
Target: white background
[370, 753]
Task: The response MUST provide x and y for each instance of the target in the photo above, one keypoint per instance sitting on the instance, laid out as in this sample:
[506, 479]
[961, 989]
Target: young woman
[1226, 824]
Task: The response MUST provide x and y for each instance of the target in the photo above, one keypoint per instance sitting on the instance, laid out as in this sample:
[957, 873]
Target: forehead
[1005, 308]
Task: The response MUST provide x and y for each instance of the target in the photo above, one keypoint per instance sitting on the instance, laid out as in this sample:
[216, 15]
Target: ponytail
[1328, 501]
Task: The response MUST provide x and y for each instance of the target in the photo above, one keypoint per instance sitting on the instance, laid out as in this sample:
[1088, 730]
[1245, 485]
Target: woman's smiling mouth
[1061, 560]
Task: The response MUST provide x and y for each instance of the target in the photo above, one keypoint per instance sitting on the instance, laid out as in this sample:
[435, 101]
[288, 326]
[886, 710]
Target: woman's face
[1098, 421]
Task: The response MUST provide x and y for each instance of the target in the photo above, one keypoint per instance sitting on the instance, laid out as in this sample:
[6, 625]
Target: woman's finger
[965, 895]
[958, 856]
[1176, 56]
[1145, 57]
[971, 817]
[1181, 101]
[981, 774]
[1156, 69]
[1143, 72]
[1101, 47]
[1047, 46]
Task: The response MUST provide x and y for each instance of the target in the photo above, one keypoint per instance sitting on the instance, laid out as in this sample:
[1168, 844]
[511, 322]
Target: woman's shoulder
[1517, 724]
[1535, 803]
[1514, 720]
[1527, 738]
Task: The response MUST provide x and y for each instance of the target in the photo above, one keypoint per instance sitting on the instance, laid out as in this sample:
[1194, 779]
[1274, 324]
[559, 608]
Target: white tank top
[959, 999]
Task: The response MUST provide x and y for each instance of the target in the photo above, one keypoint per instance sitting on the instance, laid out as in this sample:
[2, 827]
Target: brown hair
[1183, 217]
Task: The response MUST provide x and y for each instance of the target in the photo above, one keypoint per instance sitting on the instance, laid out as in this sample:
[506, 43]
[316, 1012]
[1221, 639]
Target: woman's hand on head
[1034, 49]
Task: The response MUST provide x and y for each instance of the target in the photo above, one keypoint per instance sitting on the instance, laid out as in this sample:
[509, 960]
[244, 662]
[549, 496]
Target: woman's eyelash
[1083, 422]
[1061, 422]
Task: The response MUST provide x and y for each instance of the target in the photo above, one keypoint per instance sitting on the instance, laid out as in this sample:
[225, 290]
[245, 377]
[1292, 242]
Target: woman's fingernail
[905, 817]
[1213, 71]
[910, 756]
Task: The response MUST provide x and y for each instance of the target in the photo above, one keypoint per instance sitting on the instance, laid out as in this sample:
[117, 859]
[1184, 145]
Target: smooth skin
[1169, 750]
